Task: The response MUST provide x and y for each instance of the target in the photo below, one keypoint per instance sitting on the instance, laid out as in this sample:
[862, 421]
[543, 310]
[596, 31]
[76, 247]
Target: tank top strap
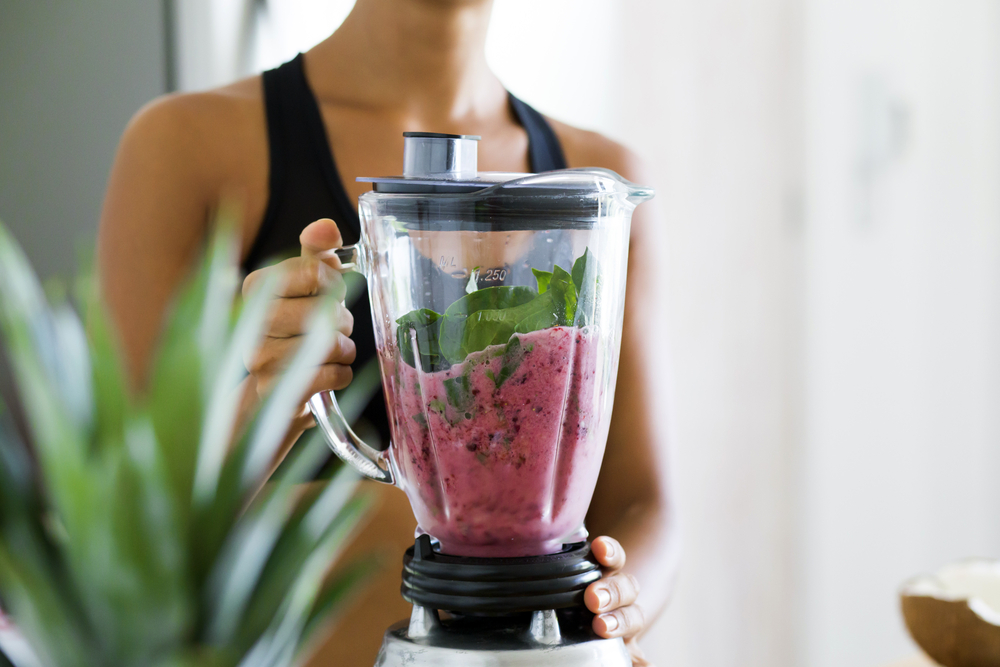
[304, 182]
[545, 152]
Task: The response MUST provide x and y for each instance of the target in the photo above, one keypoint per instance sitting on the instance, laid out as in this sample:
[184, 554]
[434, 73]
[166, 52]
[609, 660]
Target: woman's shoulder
[208, 131]
[208, 112]
[584, 148]
[207, 146]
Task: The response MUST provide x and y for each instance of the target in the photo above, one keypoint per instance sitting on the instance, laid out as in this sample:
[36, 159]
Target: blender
[497, 301]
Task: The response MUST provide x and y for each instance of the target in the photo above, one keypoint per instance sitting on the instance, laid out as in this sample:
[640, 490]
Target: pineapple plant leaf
[139, 527]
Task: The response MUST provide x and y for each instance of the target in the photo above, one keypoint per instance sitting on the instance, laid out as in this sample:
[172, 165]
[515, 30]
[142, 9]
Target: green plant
[138, 530]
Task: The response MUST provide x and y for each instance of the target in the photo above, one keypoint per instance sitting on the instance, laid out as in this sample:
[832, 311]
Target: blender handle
[344, 442]
[348, 256]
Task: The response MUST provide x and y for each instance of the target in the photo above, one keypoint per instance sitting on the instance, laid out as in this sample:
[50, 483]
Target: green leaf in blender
[456, 343]
[564, 295]
[459, 393]
[543, 278]
[580, 269]
[586, 279]
[542, 313]
[426, 324]
[491, 316]
[484, 328]
[487, 328]
[556, 307]
[513, 355]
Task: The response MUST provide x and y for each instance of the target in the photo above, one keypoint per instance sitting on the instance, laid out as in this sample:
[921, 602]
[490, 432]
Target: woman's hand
[309, 277]
[612, 599]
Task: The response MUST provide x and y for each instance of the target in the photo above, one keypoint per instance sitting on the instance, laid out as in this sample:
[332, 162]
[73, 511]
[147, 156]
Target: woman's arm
[179, 159]
[154, 222]
[633, 500]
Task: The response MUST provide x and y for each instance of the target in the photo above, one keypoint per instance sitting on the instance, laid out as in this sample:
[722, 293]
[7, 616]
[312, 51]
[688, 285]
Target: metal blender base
[539, 642]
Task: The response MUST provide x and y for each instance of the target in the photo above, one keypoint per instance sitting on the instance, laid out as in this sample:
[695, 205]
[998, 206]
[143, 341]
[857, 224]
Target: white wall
[71, 76]
[220, 41]
[901, 456]
[711, 99]
[561, 56]
[211, 44]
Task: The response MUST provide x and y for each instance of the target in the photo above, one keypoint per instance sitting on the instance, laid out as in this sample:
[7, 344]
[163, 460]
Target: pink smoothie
[504, 470]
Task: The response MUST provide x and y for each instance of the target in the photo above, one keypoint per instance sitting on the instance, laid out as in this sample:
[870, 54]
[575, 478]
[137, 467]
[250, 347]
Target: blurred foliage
[138, 529]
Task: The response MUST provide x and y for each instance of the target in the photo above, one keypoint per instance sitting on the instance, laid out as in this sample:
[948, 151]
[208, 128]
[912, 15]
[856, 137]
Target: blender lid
[440, 182]
[437, 163]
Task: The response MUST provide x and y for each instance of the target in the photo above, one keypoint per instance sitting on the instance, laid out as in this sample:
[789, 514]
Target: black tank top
[305, 186]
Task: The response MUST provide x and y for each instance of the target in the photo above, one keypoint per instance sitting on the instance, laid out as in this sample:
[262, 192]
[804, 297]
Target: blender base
[486, 586]
[541, 639]
[527, 612]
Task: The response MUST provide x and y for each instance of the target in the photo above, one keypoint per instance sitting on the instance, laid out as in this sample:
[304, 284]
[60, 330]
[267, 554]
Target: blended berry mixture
[499, 455]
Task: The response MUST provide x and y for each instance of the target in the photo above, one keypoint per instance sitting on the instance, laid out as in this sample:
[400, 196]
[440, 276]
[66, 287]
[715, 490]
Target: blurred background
[829, 186]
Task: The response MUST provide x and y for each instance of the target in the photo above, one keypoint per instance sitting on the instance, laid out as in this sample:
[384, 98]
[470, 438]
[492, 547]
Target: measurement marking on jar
[446, 262]
[495, 274]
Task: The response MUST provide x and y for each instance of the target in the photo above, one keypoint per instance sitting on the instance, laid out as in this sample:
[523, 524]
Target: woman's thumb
[320, 236]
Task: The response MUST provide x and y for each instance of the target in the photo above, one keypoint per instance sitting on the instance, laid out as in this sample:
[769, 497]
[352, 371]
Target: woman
[288, 147]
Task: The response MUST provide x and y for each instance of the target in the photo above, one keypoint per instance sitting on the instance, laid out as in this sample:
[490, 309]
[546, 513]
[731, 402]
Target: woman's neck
[421, 58]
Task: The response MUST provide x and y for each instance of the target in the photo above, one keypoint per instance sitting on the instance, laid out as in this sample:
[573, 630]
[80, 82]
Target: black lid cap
[439, 135]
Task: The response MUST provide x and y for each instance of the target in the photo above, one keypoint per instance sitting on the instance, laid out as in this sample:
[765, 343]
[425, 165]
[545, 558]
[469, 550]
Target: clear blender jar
[497, 301]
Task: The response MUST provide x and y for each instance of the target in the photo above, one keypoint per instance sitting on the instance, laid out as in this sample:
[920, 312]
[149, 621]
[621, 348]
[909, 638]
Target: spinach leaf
[564, 295]
[556, 307]
[541, 313]
[459, 338]
[426, 324]
[488, 327]
[513, 355]
[580, 269]
[491, 316]
[587, 281]
[459, 393]
[495, 327]
[543, 278]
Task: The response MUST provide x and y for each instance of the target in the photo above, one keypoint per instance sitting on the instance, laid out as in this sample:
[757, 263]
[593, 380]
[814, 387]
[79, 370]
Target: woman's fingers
[625, 622]
[611, 592]
[288, 317]
[304, 282]
[330, 377]
[302, 276]
[609, 553]
[309, 276]
[613, 598]
[275, 354]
